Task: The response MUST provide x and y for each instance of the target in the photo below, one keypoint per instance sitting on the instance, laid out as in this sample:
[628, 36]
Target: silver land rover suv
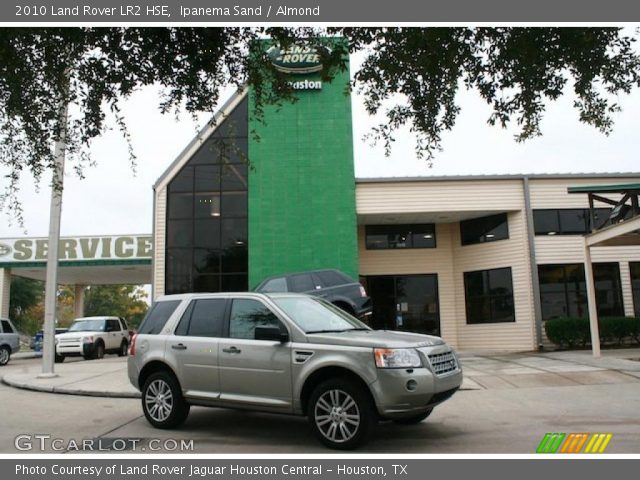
[286, 353]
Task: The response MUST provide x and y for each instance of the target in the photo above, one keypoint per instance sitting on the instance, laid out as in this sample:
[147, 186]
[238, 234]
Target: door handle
[179, 346]
[231, 350]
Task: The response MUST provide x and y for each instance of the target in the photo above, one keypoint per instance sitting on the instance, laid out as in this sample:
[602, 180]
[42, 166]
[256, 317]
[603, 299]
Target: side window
[331, 278]
[6, 327]
[301, 283]
[113, 325]
[203, 318]
[157, 317]
[123, 324]
[275, 285]
[246, 315]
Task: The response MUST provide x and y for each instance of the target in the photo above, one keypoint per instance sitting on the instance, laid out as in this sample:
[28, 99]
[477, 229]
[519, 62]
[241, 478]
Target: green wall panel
[301, 184]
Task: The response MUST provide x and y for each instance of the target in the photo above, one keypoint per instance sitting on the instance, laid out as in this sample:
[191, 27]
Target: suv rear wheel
[341, 414]
[5, 355]
[124, 349]
[162, 401]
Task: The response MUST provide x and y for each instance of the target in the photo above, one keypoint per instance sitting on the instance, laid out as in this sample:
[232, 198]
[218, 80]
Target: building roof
[519, 176]
[620, 188]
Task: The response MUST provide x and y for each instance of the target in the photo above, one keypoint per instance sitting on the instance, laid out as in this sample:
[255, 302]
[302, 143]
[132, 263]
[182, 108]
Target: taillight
[363, 292]
[132, 346]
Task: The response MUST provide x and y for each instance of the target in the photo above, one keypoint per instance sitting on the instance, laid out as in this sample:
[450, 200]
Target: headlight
[87, 340]
[397, 358]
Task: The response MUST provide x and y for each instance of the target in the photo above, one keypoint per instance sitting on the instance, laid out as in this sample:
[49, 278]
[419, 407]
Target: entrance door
[405, 302]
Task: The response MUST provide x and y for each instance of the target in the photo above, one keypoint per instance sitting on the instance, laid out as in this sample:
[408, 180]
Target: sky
[111, 200]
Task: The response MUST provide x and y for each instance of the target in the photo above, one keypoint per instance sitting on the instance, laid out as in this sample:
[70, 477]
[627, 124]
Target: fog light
[412, 385]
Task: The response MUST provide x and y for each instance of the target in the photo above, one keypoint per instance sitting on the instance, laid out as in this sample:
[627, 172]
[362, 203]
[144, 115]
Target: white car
[9, 340]
[92, 337]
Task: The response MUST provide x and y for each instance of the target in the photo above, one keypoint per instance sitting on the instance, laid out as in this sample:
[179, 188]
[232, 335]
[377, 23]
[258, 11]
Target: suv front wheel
[341, 414]
[162, 401]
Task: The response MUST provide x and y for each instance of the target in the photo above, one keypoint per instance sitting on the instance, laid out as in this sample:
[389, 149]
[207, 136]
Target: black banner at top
[324, 11]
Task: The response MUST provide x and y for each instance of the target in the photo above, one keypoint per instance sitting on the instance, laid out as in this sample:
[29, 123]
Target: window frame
[490, 297]
[227, 324]
[187, 317]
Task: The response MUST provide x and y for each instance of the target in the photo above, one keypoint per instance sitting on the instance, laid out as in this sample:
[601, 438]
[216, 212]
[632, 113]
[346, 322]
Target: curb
[68, 391]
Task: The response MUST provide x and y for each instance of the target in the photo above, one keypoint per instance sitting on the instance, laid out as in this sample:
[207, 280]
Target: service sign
[125, 247]
[296, 59]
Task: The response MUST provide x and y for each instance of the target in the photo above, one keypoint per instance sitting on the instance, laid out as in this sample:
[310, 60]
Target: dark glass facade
[563, 291]
[635, 286]
[207, 238]
[568, 221]
[489, 296]
[484, 229]
[382, 237]
[404, 302]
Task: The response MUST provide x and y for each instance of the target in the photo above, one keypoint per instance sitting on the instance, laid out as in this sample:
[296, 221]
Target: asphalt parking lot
[509, 403]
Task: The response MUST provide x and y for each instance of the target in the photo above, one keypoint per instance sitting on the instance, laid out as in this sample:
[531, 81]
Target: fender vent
[301, 356]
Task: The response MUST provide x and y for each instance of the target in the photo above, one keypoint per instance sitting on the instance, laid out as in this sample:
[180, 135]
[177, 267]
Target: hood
[75, 334]
[375, 338]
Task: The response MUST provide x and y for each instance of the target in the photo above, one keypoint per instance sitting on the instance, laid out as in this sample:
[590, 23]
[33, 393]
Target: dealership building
[482, 261]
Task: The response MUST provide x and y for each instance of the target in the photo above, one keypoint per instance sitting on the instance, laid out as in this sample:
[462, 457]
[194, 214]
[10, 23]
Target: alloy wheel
[337, 416]
[4, 356]
[158, 400]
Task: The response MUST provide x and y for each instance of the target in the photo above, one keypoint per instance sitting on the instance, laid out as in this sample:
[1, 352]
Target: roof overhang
[626, 233]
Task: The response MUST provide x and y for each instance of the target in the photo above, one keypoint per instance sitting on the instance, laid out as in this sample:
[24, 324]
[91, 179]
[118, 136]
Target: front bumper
[406, 391]
[75, 349]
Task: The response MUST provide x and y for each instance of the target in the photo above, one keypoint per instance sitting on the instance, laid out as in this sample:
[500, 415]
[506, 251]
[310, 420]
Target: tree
[26, 295]
[127, 301]
[411, 75]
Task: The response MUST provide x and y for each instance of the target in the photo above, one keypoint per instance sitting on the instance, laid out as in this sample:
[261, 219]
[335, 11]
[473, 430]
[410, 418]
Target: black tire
[124, 349]
[99, 351]
[5, 355]
[175, 409]
[59, 358]
[414, 419]
[350, 418]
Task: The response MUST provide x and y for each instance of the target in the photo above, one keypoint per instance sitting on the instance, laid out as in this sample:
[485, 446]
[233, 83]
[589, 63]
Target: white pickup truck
[92, 337]
[9, 340]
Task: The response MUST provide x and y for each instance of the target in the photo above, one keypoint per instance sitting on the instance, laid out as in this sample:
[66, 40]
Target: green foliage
[26, 295]
[411, 75]
[574, 332]
[128, 301]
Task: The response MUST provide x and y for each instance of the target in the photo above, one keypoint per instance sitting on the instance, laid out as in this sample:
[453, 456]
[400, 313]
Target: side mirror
[273, 334]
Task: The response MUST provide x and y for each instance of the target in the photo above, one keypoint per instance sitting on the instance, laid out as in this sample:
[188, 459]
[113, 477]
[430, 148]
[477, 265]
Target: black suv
[332, 285]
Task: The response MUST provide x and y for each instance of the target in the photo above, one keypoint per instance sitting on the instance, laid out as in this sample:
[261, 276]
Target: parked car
[286, 353]
[9, 341]
[332, 285]
[38, 338]
[92, 337]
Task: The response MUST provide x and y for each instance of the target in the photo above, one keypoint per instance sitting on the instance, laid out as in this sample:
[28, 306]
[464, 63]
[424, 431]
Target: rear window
[157, 317]
[275, 285]
[6, 327]
[331, 278]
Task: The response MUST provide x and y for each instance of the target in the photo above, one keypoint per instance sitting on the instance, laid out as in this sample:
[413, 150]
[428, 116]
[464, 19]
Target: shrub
[572, 332]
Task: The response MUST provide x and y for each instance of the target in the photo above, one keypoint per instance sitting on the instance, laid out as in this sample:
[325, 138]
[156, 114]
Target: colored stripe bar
[550, 442]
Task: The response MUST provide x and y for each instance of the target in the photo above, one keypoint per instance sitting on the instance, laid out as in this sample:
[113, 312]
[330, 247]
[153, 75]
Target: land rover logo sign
[296, 59]
[4, 249]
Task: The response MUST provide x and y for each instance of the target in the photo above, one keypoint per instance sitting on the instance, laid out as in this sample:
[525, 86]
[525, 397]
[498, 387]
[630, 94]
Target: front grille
[69, 340]
[443, 362]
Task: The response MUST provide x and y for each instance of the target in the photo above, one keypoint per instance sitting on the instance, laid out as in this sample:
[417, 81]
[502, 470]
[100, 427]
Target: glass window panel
[178, 261]
[573, 221]
[209, 152]
[500, 281]
[207, 205]
[608, 289]
[248, 314]
[400, 236]
[206, 283]
[601, 217]
[234, 204]
[206, 261]
[236, 123]
[423, 236]
[235, 260]
[207, 178]
[502, 308]
[485, 229]
[234, 232]
[301, 283]
[634, 267]
[183, 182]
[207, 318]
[546, 222]
[180, 205]
[234, 283]
[179, 233]
[489, 296]
[207, 233]
[275, 285]
[234, 177]
[330, 278]
[178, 284]
[157, 317]
[235, 151]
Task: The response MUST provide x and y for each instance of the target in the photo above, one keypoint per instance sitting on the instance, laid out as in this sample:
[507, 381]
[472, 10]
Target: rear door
[9, 335]
[254, 372]
[194, 347]
[114, 334]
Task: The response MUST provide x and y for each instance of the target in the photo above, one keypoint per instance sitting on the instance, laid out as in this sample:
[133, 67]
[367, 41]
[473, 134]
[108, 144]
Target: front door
[405, 302]
[256, 372]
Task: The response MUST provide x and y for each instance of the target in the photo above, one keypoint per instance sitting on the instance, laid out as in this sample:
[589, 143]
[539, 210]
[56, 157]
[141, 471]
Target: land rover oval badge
[4, 249]
[296, 59]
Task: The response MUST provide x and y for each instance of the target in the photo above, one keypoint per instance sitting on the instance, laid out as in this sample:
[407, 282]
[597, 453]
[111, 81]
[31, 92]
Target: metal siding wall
[159, 241]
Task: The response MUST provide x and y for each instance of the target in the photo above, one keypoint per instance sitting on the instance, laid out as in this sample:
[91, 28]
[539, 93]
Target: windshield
[87, 326]
[315, 316]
